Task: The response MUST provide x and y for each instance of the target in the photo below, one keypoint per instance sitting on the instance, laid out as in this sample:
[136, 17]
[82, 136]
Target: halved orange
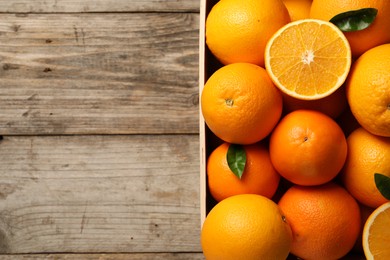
[308, 59]
[376, 234]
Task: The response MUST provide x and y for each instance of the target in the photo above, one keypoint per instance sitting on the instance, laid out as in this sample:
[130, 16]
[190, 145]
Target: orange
[308, 59]
[237, 31]
[376, 234]
[332, 105]
[376, 34]
[367, 154]
[246, 226]
[308, 148]
[259, 176]
[240, 104]
[368, 90]
[325, 220]
[298, 9]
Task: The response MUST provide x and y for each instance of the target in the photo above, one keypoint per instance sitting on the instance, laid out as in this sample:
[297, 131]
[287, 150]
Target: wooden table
[99, 123]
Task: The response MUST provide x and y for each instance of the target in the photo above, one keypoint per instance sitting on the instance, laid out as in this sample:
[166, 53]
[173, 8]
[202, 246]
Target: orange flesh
[309, 59]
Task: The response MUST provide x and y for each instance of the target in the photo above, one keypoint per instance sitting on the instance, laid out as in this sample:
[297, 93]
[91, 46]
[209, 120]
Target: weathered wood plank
[133, 256]
[61, 6]
[98, 73]
[143, 256]
[100, 194]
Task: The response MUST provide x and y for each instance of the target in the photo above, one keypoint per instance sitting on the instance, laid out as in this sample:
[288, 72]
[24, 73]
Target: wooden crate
[208, 64]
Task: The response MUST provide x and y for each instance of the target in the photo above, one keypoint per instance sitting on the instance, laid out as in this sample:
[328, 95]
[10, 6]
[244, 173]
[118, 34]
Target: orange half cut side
[376, 234]
[308, 59]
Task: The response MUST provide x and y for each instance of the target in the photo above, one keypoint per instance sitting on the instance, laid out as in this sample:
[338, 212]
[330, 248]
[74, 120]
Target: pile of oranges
[299, 113]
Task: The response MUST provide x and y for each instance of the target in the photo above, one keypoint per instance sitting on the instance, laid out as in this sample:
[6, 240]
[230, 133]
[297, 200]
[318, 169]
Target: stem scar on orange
[308, 148]
[240, 104]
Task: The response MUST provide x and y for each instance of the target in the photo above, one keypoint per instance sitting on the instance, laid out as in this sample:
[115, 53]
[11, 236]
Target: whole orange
[367, 154]
[240, 104]
[308, 148]
[376, 34]
[246, 226]
[259, 176]
[368, 90]
[237, 31]
[325, 220]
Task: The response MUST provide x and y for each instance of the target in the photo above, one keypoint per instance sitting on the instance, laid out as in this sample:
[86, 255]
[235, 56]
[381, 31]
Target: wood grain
[64, 6]
[99, 194]
[98, 73]
[131, 256]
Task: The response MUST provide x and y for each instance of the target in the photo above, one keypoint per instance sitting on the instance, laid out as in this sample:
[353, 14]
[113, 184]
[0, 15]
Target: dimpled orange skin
[367, 154]
[368, 90]
[259, 176]
[240, 104]
[246, 226]
[308, 148]
[237, 31]
[376, 34]
[325, 220]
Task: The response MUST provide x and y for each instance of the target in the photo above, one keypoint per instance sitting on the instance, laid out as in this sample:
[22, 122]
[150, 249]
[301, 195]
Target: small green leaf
[355, 20]
[382, 182]
[236, 158]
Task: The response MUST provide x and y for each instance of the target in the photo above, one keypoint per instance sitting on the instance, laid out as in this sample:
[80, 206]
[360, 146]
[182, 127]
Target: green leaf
[355, 20]
[382, 182]
[236, 158]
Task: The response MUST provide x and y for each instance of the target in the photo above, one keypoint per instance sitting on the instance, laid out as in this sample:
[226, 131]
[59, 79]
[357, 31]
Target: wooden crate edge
[202, 126]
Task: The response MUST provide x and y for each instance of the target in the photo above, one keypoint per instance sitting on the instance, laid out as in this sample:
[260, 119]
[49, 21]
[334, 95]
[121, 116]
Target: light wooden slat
[135, 256]
[61, 6]
[98, 73]
[144, 256]
[83, 194]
